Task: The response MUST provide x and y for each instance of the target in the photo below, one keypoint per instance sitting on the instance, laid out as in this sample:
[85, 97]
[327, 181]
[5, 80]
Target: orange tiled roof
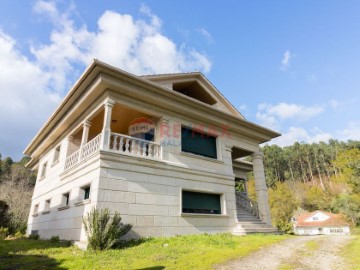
[333, 220]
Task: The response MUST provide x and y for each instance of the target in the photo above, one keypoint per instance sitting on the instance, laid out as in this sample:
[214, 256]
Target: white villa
[163, 150]
[320, 222]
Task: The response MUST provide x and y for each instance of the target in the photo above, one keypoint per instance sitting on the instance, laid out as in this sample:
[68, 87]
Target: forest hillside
[307, 177]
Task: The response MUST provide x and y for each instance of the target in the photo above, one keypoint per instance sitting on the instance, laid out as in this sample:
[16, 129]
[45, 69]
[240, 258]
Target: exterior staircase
[249, 218]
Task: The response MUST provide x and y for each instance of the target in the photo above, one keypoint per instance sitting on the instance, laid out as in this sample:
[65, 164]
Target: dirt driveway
[301, 252]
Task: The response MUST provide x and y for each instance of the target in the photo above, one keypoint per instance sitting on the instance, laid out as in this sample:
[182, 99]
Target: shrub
[103, 231]
[3, 233]
[34, 236]
[19, 234]
[55, 239]
[66, 243]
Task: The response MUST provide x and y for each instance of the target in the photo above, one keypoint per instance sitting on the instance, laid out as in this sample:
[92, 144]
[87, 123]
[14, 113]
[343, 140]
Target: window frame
[56, 157]
[66, 198]
[36, 209]
[46, 207]
[84, 188]
[43, 170]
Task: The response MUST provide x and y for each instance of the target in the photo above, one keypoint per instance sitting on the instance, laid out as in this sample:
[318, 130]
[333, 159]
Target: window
[36, 209]
[201, 203]
[43, 170]
[86, 191]
[66, 199]
[198, 143]
[57, 154]
[47, 206]
[315, 218]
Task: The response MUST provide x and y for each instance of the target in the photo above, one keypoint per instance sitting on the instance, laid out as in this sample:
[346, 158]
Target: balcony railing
[91, 147]
[86, 151]
[135, 147]
[72, 160]
[119, 143]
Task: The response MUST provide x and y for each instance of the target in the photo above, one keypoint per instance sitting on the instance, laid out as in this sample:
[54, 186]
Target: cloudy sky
[293, 66]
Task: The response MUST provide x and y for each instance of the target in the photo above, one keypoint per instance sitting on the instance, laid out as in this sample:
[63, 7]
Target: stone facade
[84, 146]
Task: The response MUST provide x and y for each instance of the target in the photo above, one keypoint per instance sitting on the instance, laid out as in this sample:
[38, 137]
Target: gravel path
[301, 252]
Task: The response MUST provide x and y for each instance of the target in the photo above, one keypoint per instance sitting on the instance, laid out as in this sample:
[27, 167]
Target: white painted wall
[324, 230]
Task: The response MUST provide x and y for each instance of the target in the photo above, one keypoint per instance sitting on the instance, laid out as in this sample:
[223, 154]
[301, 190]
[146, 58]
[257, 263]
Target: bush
[34, 236]
[66, 243]
[3, 233]
[19, 234]
[55, 239]
[103, 231]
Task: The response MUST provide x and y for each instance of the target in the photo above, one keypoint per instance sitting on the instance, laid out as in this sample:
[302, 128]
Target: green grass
[180, 252]
[286, 267]
[312, 245]
[352, 250]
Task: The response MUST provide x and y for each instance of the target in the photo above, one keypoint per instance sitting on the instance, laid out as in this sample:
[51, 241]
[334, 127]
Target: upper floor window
[193, 141]
[57, 154]
[43, 170]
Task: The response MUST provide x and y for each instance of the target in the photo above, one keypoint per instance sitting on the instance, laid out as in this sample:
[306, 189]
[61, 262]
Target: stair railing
[249, 204]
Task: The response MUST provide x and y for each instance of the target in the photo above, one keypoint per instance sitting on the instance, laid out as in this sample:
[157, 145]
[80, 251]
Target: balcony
[83, 153]
[117, 129]
[119, 143]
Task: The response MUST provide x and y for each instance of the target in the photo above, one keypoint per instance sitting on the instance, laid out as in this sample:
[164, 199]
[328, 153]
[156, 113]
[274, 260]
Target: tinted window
[198, 143]
[202, 203]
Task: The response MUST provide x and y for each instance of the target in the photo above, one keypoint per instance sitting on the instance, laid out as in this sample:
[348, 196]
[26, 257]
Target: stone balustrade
[135, 147]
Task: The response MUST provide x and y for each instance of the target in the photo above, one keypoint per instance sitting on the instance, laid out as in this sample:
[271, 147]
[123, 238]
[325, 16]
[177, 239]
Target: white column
[85, 133]
[260, 187]
[105, 140]
[163, 137]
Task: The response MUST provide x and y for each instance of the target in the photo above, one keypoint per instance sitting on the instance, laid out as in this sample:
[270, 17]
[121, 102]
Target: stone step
[242, 231]
[253, 224]
[244, 218]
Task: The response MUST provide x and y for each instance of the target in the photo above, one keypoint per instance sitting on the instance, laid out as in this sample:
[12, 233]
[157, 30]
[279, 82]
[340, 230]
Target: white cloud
[351, 132]
[26, 98]
[137, 46]
[285, 62]
[206, 34]
[272, 115]
[299, 134]
[31, 89]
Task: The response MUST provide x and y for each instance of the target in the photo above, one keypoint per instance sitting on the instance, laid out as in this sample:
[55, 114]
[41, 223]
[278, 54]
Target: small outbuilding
[320, 222]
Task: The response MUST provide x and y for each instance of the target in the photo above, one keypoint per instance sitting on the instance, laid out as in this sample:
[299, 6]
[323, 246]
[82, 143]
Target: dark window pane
[86, 193]
[204, 203]
[67, 196]
[198, 143]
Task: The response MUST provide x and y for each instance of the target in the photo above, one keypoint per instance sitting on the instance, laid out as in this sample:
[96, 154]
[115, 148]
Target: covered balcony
[114, 128]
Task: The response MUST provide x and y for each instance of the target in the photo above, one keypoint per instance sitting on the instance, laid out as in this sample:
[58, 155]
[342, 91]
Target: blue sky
[292, 66]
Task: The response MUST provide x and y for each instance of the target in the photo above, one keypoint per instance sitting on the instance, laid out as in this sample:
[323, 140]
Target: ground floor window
[337, 230]
[201, 203]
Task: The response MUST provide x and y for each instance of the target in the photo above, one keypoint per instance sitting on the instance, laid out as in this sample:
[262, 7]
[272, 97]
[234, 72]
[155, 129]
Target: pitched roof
[333, 220]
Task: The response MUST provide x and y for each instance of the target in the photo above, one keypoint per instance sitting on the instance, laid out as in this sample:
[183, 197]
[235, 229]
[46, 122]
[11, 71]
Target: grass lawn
[180, 252]
[352, 251]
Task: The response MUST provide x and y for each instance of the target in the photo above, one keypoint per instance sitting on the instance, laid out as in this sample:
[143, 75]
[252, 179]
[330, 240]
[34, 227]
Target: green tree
[348, 162]
[282, 206]
[349, 205]
[316, 199]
